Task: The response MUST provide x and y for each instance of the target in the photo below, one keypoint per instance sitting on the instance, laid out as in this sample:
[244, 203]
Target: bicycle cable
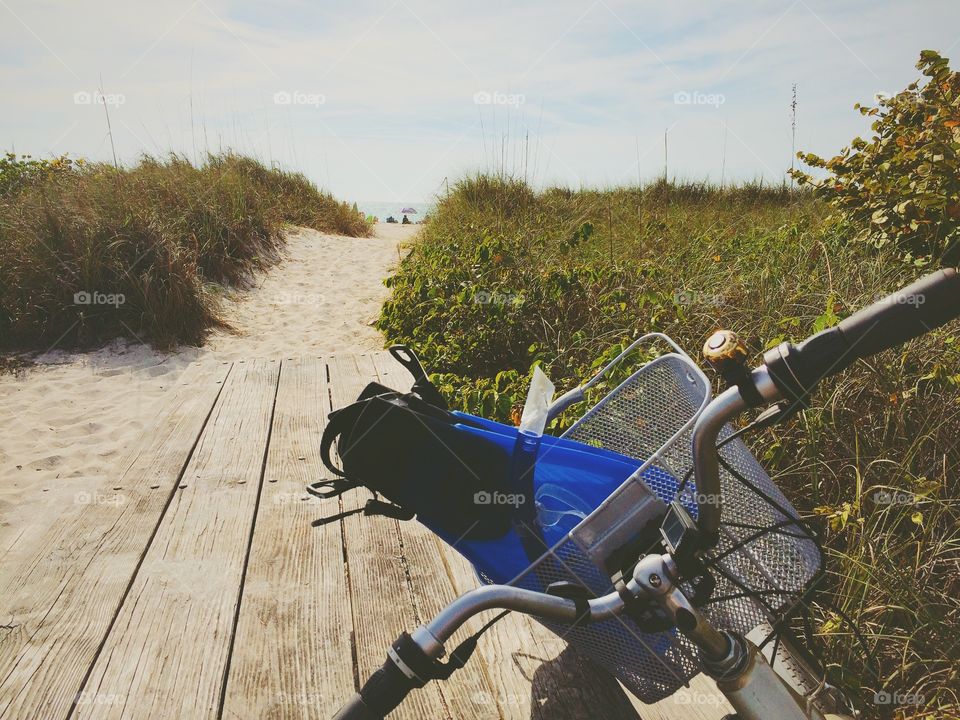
[799, 609]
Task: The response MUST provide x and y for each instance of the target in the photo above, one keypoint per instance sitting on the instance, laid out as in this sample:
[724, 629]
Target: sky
[395, 99]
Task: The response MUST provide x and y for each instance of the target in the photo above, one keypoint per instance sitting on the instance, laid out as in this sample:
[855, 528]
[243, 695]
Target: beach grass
[89, 251]
[504, 276]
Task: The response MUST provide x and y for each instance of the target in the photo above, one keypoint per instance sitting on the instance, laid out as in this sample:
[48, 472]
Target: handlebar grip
[356, 709]
[910, 312]
[379, 696]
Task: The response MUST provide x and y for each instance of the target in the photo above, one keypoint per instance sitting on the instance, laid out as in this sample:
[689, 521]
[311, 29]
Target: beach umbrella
[409, 211]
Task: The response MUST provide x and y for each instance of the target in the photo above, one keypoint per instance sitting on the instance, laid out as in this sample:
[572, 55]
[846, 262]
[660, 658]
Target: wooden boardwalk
[193, 585]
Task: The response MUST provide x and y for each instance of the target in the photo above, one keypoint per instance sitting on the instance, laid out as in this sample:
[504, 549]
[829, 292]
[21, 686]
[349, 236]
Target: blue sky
[387, 100]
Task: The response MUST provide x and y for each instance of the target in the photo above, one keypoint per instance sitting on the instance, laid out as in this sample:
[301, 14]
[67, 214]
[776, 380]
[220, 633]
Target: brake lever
[776, 414]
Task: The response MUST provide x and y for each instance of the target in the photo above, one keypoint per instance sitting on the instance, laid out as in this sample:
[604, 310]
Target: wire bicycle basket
[650, 417]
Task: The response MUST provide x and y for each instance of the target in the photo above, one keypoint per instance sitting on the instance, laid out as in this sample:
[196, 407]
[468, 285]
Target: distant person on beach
[391, 219]
[405, 221]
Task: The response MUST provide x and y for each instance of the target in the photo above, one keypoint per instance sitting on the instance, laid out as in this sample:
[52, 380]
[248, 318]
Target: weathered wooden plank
[467, 693]
[292, 656]
[59, 594]
[381, 599]
[167, 652]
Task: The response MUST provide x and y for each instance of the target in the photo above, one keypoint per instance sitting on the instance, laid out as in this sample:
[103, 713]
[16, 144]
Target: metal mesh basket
[650, 417]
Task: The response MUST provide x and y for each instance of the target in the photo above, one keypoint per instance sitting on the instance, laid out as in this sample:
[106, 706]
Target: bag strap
[421, 383]
[343, 420]
[338, 422]
[334, 488]
[372, 507]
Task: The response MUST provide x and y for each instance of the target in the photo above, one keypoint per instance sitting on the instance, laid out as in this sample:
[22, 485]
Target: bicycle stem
[706, 459]
[741, 672]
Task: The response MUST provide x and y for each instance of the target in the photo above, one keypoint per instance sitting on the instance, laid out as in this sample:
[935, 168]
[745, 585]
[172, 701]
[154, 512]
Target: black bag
[408, 450]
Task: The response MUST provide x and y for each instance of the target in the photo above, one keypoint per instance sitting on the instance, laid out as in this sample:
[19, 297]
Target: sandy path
[66, 422]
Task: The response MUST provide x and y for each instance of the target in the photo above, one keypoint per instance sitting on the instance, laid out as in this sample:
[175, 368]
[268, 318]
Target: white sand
[66, 422]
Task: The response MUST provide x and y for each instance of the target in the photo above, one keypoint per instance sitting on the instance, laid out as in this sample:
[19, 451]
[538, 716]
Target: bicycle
[664, 586]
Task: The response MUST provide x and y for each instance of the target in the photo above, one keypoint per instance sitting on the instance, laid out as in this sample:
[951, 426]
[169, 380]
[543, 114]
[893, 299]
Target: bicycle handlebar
[792, 371]
[910, 312]
[409, 663]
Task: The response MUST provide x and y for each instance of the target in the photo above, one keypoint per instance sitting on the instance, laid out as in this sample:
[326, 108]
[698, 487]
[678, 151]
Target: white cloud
[398, 80]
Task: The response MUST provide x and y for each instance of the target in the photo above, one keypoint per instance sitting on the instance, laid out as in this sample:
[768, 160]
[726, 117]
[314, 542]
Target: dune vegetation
[504, 277]
[89, 251]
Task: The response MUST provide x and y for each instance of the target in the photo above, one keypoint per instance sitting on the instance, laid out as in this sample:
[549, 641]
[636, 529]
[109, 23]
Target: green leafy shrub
[901, 188]
[18, 172]
[504, 277]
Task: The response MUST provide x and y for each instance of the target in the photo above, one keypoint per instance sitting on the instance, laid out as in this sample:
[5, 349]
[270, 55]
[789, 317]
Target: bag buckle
[329, 489]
